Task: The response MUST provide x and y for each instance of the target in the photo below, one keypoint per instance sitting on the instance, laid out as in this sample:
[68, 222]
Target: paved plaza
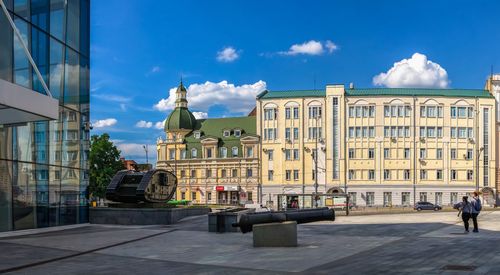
[417, 243]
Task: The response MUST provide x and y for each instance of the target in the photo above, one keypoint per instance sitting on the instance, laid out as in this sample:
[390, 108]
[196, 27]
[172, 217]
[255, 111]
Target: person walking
[476, 209]
[465, 208]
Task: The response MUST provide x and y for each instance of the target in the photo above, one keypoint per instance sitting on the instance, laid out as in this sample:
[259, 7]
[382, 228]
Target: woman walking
[466, 208]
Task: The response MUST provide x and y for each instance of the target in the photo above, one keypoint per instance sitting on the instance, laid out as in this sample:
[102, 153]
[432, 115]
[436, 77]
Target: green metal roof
[380, 92]
[214, 127]
[180, 118]
[291, 94]
[418, 92]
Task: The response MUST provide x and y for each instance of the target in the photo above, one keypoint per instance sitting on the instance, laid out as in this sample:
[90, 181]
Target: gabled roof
[214, 127]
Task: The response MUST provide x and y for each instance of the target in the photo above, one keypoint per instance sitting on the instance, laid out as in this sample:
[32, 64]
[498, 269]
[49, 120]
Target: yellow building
[383, 146]
[215, 160]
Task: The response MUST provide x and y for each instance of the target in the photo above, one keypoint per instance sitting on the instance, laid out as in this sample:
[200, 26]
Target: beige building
[215, 160]
[382, 146]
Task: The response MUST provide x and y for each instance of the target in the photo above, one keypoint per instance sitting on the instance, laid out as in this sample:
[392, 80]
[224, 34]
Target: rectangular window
[423, 196]
[453, 153]
[209, 153]
[462, 112]
[352, 198]
[406, 174]
[422, 132]
[288, 154]
[439, 132]
[440, 111]
[439, 174]
[370, 198]
[387, 111]
[287, 134]
[371, 132]
[371, 153]
[394, 111]
[223, 173]
[423, 174]
[387, 153]
[193, 173]
[453, 198]
[270, 154]
[209, 196]
[171, 154]
[462, 132]
[315, 112]
[295, 154]
[313, 173]
[351, 132]
[401, 132]
[387, 199]
[223, 152]
[358, 111]
[352, 112]
[439, 153]
[422, 111]
[431, 111]
[234, 173]
[208, 173]
[407, 111]
[352, 174]
[183, 195]
[387, 131]
[234, 152]
[193, 196]
[453, 132]
[387, 174]
[295, 174]
[470, 112]
[407, 153]
[366, 111]
[372, 111]
[423, 154]
[249, 172]
[470, 132]
[405, 198]
[295, 112]
[431, 132]
[439, 198]
[365, 132]
[469, 154]
[270, 175]
[249, 151]
[453, 174]
[371, 174]
[470, 174]
[352, 153]
[183, 173]
[358, 132]
[295, 133]
[407, 131]
[453, 112]
[250, 196]
[287, 113]
[288, 174]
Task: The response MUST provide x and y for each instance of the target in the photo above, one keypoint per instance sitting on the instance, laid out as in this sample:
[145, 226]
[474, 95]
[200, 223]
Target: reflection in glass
[23, 195]
[57, 8]
[40, 13]
[71, 79]
[5, 192]
[56, 68]
[21, 62]
[39, 52]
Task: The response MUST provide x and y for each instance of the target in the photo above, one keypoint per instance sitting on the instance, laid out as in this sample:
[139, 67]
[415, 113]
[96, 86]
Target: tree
[104, 163]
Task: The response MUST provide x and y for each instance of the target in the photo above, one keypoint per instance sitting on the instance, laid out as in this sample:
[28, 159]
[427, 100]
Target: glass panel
[5, 192]
[57, 12]
[40, 13]
[84, 27]
[21, 62]
[70, 196]
[40, 54]
[6, 45]
[21, 8]
[73, 24]
[23, 195]
[42, 195]
[56, 68]
[71, 79]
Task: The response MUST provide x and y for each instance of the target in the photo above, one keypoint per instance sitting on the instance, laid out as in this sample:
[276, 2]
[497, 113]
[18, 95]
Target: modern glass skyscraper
[43, 162]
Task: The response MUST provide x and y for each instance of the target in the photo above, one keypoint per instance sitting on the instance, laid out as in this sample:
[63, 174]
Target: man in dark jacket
[476, 209]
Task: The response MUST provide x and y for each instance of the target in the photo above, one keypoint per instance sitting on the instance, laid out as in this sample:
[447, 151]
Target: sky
[228, 51]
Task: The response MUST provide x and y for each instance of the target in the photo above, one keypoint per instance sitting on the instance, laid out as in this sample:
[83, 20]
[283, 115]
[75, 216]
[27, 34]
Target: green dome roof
[180, 119]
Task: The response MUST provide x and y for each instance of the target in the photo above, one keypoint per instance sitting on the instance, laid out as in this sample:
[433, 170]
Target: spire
[180, 95]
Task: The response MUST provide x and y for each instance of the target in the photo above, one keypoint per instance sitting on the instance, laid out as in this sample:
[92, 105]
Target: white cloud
[200, 115]
[114, 98]
[330, 46]
[104, 123]
[155, 69]
[237, 99]
[416, 72]
[160, 125]
[136, 151]
[144, 124]
[228, 54]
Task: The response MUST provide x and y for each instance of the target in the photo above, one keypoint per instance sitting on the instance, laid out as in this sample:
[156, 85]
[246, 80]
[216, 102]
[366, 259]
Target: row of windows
[352, 174]
[405, 198]
[362, 111]
[431, 111]
[361, 132]
[209, 197]
[404, 131]
[396, 131]
[225, 133]
[288, 175]
[397, 111]
[209, 153]
[224, 173]
[462, 132]
[406, 153]
[272, 113]
[313, 133]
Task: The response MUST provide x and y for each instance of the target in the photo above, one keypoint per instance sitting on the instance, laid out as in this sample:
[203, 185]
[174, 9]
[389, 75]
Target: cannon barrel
[247, 221]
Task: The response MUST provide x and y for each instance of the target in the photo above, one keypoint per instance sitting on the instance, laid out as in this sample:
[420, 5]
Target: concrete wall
[142, 216]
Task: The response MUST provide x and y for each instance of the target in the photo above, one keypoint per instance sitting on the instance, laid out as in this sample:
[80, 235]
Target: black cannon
[129, 186]
[247, 221]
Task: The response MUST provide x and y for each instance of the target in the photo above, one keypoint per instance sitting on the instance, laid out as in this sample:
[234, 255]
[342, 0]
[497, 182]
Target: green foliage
[178, 202]
[104, 163]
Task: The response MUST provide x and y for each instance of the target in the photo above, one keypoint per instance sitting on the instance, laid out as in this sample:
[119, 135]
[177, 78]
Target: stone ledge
[142, 216]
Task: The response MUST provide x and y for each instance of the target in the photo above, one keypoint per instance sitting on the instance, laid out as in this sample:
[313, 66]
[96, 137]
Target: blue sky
[227, 51]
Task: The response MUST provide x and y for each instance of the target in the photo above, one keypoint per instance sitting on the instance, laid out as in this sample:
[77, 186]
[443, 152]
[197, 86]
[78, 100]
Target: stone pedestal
[279, 234]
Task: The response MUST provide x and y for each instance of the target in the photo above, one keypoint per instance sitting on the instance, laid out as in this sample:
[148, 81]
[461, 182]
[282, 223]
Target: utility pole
[146, 150]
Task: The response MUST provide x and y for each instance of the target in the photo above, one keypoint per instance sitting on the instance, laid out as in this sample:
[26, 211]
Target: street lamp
[146, 150]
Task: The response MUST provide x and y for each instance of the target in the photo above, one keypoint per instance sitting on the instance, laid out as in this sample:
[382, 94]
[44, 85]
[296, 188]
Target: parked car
[423, 205]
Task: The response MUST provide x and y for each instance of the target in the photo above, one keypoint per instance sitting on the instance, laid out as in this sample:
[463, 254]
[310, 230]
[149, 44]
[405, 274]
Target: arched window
[194, 153]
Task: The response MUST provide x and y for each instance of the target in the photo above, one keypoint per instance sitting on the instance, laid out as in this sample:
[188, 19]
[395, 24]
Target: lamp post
[146, 150]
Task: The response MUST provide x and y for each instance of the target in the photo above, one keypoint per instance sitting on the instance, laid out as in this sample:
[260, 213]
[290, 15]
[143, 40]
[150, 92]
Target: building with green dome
[215, 160]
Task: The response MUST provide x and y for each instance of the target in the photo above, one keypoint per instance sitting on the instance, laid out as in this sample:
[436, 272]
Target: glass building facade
[43, 164]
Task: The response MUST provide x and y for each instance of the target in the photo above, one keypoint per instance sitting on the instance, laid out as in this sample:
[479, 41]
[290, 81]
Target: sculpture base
[142, 216]
[277, 234]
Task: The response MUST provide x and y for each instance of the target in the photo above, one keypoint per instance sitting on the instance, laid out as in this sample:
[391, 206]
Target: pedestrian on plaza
[465, 207]
[476, 209]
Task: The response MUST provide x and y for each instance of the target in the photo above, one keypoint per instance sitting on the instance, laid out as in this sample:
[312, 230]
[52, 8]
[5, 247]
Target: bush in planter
[178, 202]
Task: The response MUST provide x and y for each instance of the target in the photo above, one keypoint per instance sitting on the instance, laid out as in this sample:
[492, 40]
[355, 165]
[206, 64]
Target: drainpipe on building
[414, 151]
